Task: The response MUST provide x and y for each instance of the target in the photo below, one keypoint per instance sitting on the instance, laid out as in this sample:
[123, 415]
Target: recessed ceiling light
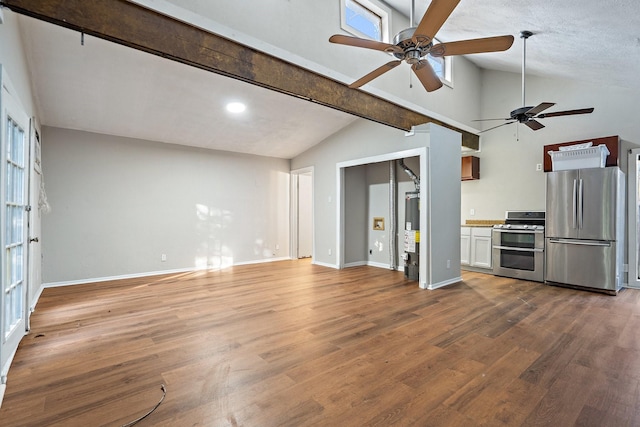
[236, 107]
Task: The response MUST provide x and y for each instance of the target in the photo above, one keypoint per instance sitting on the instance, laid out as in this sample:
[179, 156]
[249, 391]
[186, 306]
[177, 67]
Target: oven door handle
[500, 230]
[510, 248]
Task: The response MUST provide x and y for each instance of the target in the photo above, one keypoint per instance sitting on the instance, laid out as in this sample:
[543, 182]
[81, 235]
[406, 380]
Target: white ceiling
[590, 40]
[106, 88]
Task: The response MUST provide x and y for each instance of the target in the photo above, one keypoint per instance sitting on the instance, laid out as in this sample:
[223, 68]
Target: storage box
[583, 158]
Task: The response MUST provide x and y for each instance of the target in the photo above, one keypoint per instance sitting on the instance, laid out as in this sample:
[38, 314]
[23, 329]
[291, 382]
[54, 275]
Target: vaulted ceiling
[106, 88]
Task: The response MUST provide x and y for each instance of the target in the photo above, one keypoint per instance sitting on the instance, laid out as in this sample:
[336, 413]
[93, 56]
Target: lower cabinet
[475, 247]
[465, 245]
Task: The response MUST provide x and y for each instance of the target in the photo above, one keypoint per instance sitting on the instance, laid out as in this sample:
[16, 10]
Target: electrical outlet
[448, 263]
[163, 257]
[472, 212]
[329, 251]
[277, 247]
[538, 166]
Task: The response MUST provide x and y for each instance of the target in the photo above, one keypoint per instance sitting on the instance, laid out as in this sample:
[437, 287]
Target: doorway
[302, 213]
[341, 239]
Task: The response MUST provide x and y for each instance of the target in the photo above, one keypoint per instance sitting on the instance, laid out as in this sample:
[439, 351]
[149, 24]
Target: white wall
[119, 203]
[355, 221]
[508, 176]
[358, 140]
[12, 58]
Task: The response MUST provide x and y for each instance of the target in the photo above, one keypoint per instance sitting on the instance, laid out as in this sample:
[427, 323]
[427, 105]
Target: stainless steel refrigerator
[585, 228]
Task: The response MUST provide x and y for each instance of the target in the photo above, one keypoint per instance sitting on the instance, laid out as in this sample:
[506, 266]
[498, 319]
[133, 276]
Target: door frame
[425, 251]
[295, 202]
[633, 219]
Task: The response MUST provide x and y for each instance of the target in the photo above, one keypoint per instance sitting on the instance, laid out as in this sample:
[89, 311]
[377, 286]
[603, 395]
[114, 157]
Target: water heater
[412, 235]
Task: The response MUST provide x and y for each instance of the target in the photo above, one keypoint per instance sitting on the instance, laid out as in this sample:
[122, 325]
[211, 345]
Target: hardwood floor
[294, 344]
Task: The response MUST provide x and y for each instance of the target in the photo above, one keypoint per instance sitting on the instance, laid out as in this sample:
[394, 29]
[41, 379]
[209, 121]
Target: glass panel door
[14, 228]
[14, 240]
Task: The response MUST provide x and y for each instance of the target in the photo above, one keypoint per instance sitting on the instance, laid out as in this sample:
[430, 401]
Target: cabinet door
[470, 168]
[481, 251]
[465, 249]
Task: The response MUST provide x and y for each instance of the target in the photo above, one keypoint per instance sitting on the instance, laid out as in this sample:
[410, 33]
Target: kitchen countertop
[482, 222]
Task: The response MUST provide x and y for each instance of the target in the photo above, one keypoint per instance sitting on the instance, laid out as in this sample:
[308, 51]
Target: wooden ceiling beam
[132, 25]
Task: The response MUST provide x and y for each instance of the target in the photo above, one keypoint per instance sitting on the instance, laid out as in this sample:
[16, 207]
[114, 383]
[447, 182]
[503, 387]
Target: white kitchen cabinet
[475, 247]
[481, 247]
[465, 245]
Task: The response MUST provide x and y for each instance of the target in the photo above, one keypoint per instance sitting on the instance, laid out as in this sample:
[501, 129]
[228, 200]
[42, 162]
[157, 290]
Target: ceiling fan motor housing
[520, 114]
[413, 48]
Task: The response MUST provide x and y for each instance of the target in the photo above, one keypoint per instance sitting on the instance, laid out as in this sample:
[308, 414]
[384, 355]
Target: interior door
[37, 201]
[305, 215]
[14, 135]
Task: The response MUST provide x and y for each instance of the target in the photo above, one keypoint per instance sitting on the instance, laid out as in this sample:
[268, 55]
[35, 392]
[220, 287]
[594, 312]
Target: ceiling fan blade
[427, 76]
[539, 108]
[566, 113]
[367, 44]
[466, 47]
[495, 127]
[375, 73]
[434, 17]
[486, 120]
[534, 124]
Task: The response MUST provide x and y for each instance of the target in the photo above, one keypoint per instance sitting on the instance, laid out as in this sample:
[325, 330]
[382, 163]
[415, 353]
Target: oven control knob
[525, 227]
[508, 226]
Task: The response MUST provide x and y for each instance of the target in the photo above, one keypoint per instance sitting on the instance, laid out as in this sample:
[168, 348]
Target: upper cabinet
[470, 168]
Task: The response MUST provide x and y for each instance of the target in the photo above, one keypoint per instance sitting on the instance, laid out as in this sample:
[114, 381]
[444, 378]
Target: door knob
[34, 240]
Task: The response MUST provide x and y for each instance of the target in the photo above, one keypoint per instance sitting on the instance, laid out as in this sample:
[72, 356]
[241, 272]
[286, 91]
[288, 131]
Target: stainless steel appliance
[585, 228]
[518, 246]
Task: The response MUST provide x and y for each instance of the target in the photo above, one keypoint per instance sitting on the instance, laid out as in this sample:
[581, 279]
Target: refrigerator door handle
[580, 210]
[581, 242]
[575, 204]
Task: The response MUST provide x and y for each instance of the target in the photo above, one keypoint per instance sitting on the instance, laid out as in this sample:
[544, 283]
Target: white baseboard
[3, 388]
[355, 264]
[443, 283]
[36, 298]
[378, 265]
[325, 264]
[152, 273]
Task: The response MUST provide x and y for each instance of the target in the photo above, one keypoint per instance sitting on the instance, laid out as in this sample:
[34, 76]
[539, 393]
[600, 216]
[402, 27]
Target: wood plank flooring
[295, 344]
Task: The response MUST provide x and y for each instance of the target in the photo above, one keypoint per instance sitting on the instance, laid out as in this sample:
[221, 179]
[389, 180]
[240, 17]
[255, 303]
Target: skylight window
[363, 18]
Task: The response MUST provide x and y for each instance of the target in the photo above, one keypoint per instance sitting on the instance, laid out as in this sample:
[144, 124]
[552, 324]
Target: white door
[633, 204]
[305, 215]
[37, 201]
[14, 136]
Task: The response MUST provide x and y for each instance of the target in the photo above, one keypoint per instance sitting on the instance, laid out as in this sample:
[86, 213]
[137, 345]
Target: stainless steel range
[518, 246]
